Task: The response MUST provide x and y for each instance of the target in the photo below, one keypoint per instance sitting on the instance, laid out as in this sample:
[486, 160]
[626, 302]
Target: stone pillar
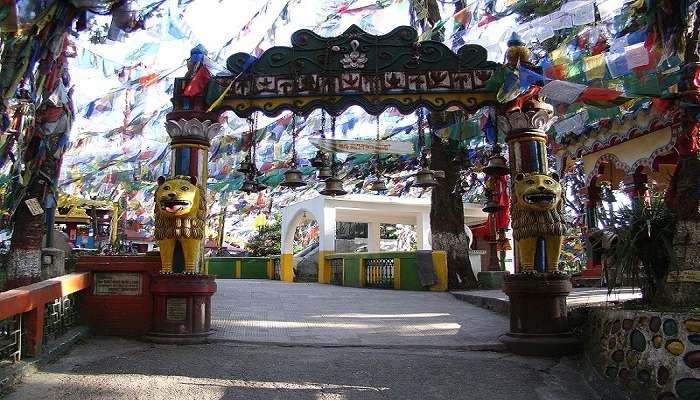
[537, 293]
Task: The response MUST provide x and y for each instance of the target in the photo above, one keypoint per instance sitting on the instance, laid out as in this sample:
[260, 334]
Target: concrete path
[325, 315]
[117, 369]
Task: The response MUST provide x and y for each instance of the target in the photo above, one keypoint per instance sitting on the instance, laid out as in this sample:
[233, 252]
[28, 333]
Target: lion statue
[538, 220]
[180, 216]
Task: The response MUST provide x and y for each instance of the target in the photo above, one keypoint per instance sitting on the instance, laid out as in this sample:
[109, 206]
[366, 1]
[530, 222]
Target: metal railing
[379, 273]
[11, 338]
[60, 315]
[336, 265]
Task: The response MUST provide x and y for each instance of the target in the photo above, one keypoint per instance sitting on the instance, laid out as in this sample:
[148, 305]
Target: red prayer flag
[485, 20]
[599, 94]
[198, 82]
[463, 16]
[555, 71]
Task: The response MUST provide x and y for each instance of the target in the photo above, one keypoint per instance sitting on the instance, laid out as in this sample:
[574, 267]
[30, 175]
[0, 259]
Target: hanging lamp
[425, 178]
[332, 185]
[249, 184]
[248, 167]
[293, 178]
[379, 184]
[320, 160]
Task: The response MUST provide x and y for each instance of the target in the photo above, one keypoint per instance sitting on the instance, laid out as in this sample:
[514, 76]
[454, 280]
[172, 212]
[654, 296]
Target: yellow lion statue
[180, 216]
[538, 220]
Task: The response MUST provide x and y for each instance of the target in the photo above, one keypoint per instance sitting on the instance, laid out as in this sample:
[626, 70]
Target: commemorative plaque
[117, 283]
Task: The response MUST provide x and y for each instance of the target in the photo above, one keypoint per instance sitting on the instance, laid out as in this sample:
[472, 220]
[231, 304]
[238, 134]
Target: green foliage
[644, 239]
[267, 241]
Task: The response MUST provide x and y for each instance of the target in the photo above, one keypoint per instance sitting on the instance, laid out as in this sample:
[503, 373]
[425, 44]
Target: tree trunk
[24, 258]
[447, 217]
[682, 195]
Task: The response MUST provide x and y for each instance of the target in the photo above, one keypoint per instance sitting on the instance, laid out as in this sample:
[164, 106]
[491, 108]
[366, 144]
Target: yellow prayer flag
[558, 56]
[594, 66]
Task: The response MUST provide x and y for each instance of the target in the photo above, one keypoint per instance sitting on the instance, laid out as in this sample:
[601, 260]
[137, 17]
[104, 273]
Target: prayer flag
[198, 83]
[594, 66]
[617, 64]
[562, 91]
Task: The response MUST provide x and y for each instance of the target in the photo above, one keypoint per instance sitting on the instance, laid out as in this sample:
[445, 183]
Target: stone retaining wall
[649, 355]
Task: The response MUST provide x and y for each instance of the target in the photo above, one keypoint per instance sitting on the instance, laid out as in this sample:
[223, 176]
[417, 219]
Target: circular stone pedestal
[538, 321]
[181, 308]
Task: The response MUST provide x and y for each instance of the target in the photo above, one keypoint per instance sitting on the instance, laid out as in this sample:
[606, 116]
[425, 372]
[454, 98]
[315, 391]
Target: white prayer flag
[584, 15]
[573, 124]
[562, 91]
[636, 55]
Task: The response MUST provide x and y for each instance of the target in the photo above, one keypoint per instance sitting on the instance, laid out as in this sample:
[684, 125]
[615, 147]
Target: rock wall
[648, 355]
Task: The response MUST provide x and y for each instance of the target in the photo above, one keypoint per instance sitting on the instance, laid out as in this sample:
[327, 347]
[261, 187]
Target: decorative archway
[356, 68]
[374, 72]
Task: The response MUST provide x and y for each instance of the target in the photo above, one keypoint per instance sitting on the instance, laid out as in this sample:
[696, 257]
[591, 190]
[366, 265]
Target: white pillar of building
[326, 235]
[423, 234]
[373, 237]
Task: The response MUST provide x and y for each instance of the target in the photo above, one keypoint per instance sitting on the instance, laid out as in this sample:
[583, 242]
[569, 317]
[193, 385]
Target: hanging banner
[363, 146]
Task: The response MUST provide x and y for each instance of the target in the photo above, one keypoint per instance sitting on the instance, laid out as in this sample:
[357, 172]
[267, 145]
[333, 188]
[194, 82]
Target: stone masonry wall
[650, 355]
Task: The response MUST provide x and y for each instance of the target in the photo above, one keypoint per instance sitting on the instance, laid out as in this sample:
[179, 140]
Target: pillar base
[553, 345]
[538, 315]
[181, 308]
[491, 279]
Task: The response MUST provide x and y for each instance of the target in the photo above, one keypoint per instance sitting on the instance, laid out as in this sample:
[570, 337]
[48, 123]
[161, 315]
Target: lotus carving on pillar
[535, 114]
[194, 128]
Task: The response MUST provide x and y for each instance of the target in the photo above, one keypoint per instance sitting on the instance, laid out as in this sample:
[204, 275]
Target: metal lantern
[319, 160]
[378, 186]
[334, 187]
[246, 166]
[249, 185]
[425, 178]
[261, 186]
[293, 178]
[491, 207]
[497, 166]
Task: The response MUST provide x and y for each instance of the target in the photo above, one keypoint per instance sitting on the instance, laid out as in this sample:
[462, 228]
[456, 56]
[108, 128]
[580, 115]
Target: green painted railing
[397, 270]
[240, 267]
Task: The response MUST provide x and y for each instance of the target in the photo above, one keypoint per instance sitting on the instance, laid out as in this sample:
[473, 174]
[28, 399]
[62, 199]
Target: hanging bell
[334, 187]
[497, 166]
[324, 173]
[319, 160]
[491, 207]
[378, 186]
[246, 166]
[425, 178]
[462, 161]
[249, 185]
[293, 178]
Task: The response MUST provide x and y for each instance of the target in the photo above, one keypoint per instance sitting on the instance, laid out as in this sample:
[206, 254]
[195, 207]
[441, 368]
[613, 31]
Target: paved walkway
[117, 369]
[315, 314]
